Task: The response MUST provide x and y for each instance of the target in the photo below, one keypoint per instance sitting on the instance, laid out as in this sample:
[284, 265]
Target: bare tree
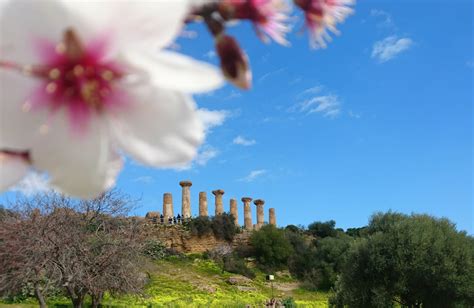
[23, 257]
[84, 247]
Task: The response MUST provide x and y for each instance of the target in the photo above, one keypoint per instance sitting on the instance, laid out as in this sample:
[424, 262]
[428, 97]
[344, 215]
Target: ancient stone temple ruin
[169, 218]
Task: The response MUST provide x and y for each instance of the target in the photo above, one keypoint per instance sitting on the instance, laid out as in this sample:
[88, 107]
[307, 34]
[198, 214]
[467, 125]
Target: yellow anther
[60, 48]
[51, 87]
[54, 73]
[78, 70]
[108, 75]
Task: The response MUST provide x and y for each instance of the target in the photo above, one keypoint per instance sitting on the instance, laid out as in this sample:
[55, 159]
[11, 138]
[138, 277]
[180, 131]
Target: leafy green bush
[323, 229]
[222, 226]
[317, 263]
[271, 247]
[289, 302]
[200, 226]
[155, 249]
[236, 265]
[415, 261]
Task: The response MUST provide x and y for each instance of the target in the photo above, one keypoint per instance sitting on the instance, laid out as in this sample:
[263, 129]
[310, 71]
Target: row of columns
[219, 207]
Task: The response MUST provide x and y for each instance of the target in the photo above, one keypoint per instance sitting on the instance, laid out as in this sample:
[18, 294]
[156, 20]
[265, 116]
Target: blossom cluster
[83, 83]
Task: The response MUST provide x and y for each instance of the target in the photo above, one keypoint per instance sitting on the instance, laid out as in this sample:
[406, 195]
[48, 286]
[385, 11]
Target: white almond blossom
[83, 81]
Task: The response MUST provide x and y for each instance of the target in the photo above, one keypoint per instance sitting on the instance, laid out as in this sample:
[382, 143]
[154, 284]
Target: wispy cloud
[32, 184]
[146, 179]
[272, 73]
[388, 48]
[240, 140]
[205, 155]
[327, 105]
[188, 34]
[313, 90]
[354, 115]
[211, 54]
[213, 118]
[253, 175]
[386, 20]
[233, 94]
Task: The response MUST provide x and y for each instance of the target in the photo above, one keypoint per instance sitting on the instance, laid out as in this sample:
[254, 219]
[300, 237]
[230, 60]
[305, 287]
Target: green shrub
[221, 226]
[224, 227]
[155, 250]
[271, 247]
[289, 302]
[200, 226]
[416, 261]
[236, 265]
[323, 229]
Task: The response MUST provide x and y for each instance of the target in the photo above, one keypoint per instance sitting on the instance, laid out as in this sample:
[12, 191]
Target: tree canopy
[415, 261]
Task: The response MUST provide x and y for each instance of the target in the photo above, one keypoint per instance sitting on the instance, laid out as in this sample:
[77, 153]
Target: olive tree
[412, 261]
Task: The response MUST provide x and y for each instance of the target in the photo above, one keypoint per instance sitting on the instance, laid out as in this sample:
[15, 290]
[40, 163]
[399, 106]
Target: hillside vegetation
[89, 253]
[192, 281]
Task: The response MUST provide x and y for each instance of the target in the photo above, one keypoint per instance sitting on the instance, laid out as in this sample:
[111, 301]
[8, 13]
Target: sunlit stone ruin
[168, 217]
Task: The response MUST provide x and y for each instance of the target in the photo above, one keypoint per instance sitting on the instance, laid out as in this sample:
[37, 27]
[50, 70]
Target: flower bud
[234, 62]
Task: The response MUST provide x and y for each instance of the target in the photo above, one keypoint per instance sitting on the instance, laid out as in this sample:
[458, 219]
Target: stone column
[186, 199]
[247, 213]
[167, 206]
[272, 217]
[203, 204]
[260, 215]
[233, 211]
[219, 206]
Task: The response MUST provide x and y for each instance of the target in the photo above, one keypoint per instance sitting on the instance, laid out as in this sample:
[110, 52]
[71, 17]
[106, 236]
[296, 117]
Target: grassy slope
[194, 282]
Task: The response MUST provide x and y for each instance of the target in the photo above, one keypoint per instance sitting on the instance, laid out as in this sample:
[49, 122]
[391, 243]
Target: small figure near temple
[179, 219]
[162, 219]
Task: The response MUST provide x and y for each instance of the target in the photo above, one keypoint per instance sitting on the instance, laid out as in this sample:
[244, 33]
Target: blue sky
[381, 119]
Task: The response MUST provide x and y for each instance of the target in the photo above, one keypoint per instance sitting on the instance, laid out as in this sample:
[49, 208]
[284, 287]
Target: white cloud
[313, 90]
[205, 155]
[146, 179]
[390, 47]
[233, 94]
[240, 140]
[212, 118]
[387, 20]
[327, 105]
[270, 74]
[32, 184]
[354, 115]
[253, 175]
[211, 54]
